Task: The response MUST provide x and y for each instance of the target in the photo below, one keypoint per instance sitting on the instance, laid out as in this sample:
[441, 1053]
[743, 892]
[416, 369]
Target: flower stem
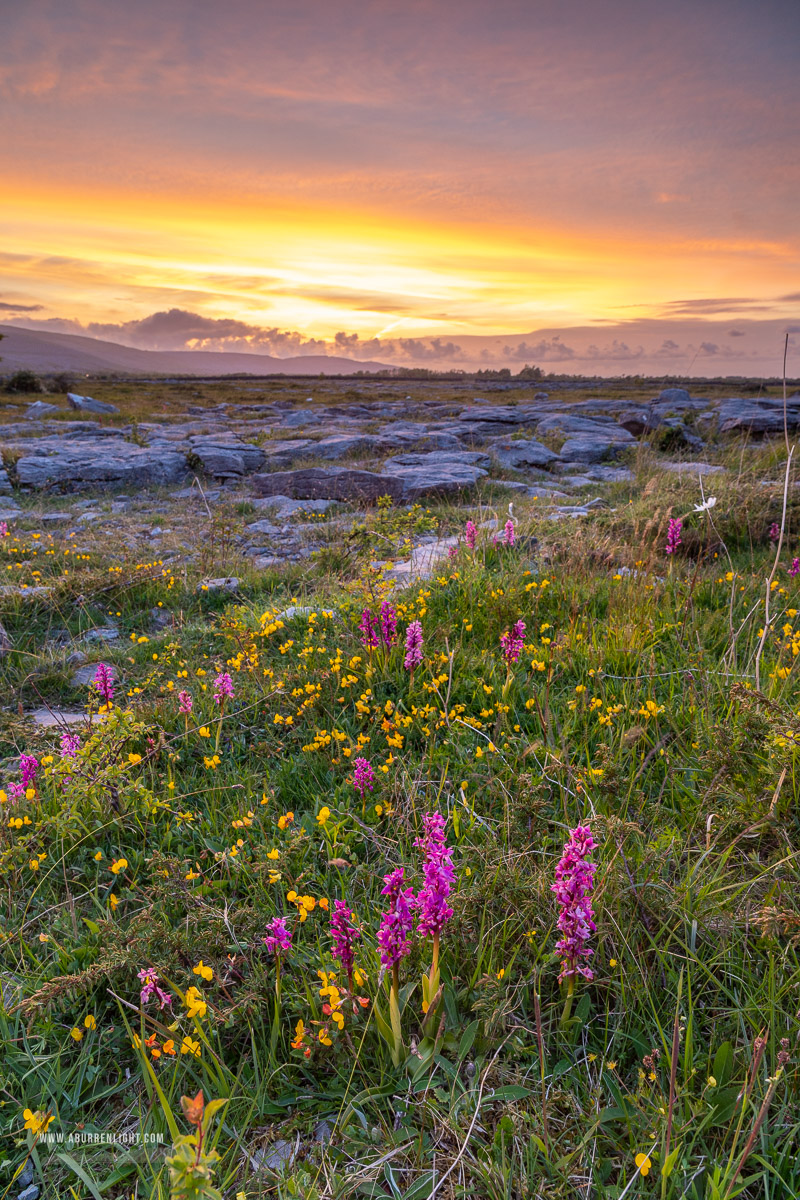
[568, 1002]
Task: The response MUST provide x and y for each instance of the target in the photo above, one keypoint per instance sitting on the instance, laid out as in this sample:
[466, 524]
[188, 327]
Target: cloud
[736, 333]
[6, 307]
[351, 345]
[616, 352]
[402, 349]
[433, 351]
[546, 350]
[710, 305]
[709, 348]
[178, 329]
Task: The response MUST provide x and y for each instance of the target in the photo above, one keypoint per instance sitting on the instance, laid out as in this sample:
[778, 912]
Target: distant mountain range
[675, 348]
[52, 353]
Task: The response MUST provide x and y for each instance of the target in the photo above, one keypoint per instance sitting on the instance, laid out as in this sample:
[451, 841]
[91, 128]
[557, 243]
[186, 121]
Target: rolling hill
[49, 353]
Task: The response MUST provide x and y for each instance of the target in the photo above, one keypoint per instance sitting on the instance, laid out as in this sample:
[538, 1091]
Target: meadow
[485, 886]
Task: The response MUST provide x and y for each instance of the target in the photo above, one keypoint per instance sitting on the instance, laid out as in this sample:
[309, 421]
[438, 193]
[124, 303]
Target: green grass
[633, 708]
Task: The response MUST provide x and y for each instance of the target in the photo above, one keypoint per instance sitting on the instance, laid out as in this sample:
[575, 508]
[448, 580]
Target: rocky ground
[294, 461]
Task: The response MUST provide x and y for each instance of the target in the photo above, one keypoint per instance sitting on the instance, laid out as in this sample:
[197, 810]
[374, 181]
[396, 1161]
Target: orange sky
[387, 170]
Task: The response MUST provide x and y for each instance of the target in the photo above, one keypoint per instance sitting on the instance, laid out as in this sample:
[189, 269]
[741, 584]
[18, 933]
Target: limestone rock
[595, 426]
[424, 559]
[756, 416]
[468, 458]
[228, 583]
[25, 593]
[494, 414]
[288, 507]
[48, 718]
[105, 463]
[518, 455]
[300, 419]
[104, 633]
[40, 408]
[87, 404]
[432, 480]
[638, 420]
[691, 468]
[227, 456]
[84, 675]
[674, 395]
[285, 452]
[328, 483]
[339, 445]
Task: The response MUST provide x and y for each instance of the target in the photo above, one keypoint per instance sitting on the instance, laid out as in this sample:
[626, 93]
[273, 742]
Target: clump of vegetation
[24, 382]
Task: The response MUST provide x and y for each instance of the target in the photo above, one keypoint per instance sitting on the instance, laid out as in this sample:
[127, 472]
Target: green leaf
[394, 1016]
[85, 1179]
[583, 1008]
[211, 1108]
[467, 1038]
[612, 1114]
[511, 1091]
[421, 1189]
[384, 1029]
[724, 1102]
[669, 1163]
[388, 1175]
[92, 926]
[723, 1064]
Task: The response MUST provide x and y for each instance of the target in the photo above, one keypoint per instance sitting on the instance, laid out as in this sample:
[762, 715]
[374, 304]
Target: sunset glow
[320, 173]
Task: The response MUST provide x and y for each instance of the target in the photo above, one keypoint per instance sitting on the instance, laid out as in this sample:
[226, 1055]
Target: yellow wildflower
[195, 1004]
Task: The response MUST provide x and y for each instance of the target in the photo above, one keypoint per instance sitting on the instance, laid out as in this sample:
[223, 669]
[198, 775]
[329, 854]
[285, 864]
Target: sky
[405, 177]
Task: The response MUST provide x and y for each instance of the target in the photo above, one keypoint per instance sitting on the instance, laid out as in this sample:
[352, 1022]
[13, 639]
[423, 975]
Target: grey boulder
[674, 395]
[494, 414]
[638, 420]
[461, 458]
[328, 483]
[284, 452]
[754, 416]
[40, 408]
[591, 448]
[75, 464]
[342, 444]
[433, 474]
[526, 452]
[299, 419]
[227, 456]
[571, 425]
[87, 404]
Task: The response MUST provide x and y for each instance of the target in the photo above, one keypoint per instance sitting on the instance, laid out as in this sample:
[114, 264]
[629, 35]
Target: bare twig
[785, 421]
